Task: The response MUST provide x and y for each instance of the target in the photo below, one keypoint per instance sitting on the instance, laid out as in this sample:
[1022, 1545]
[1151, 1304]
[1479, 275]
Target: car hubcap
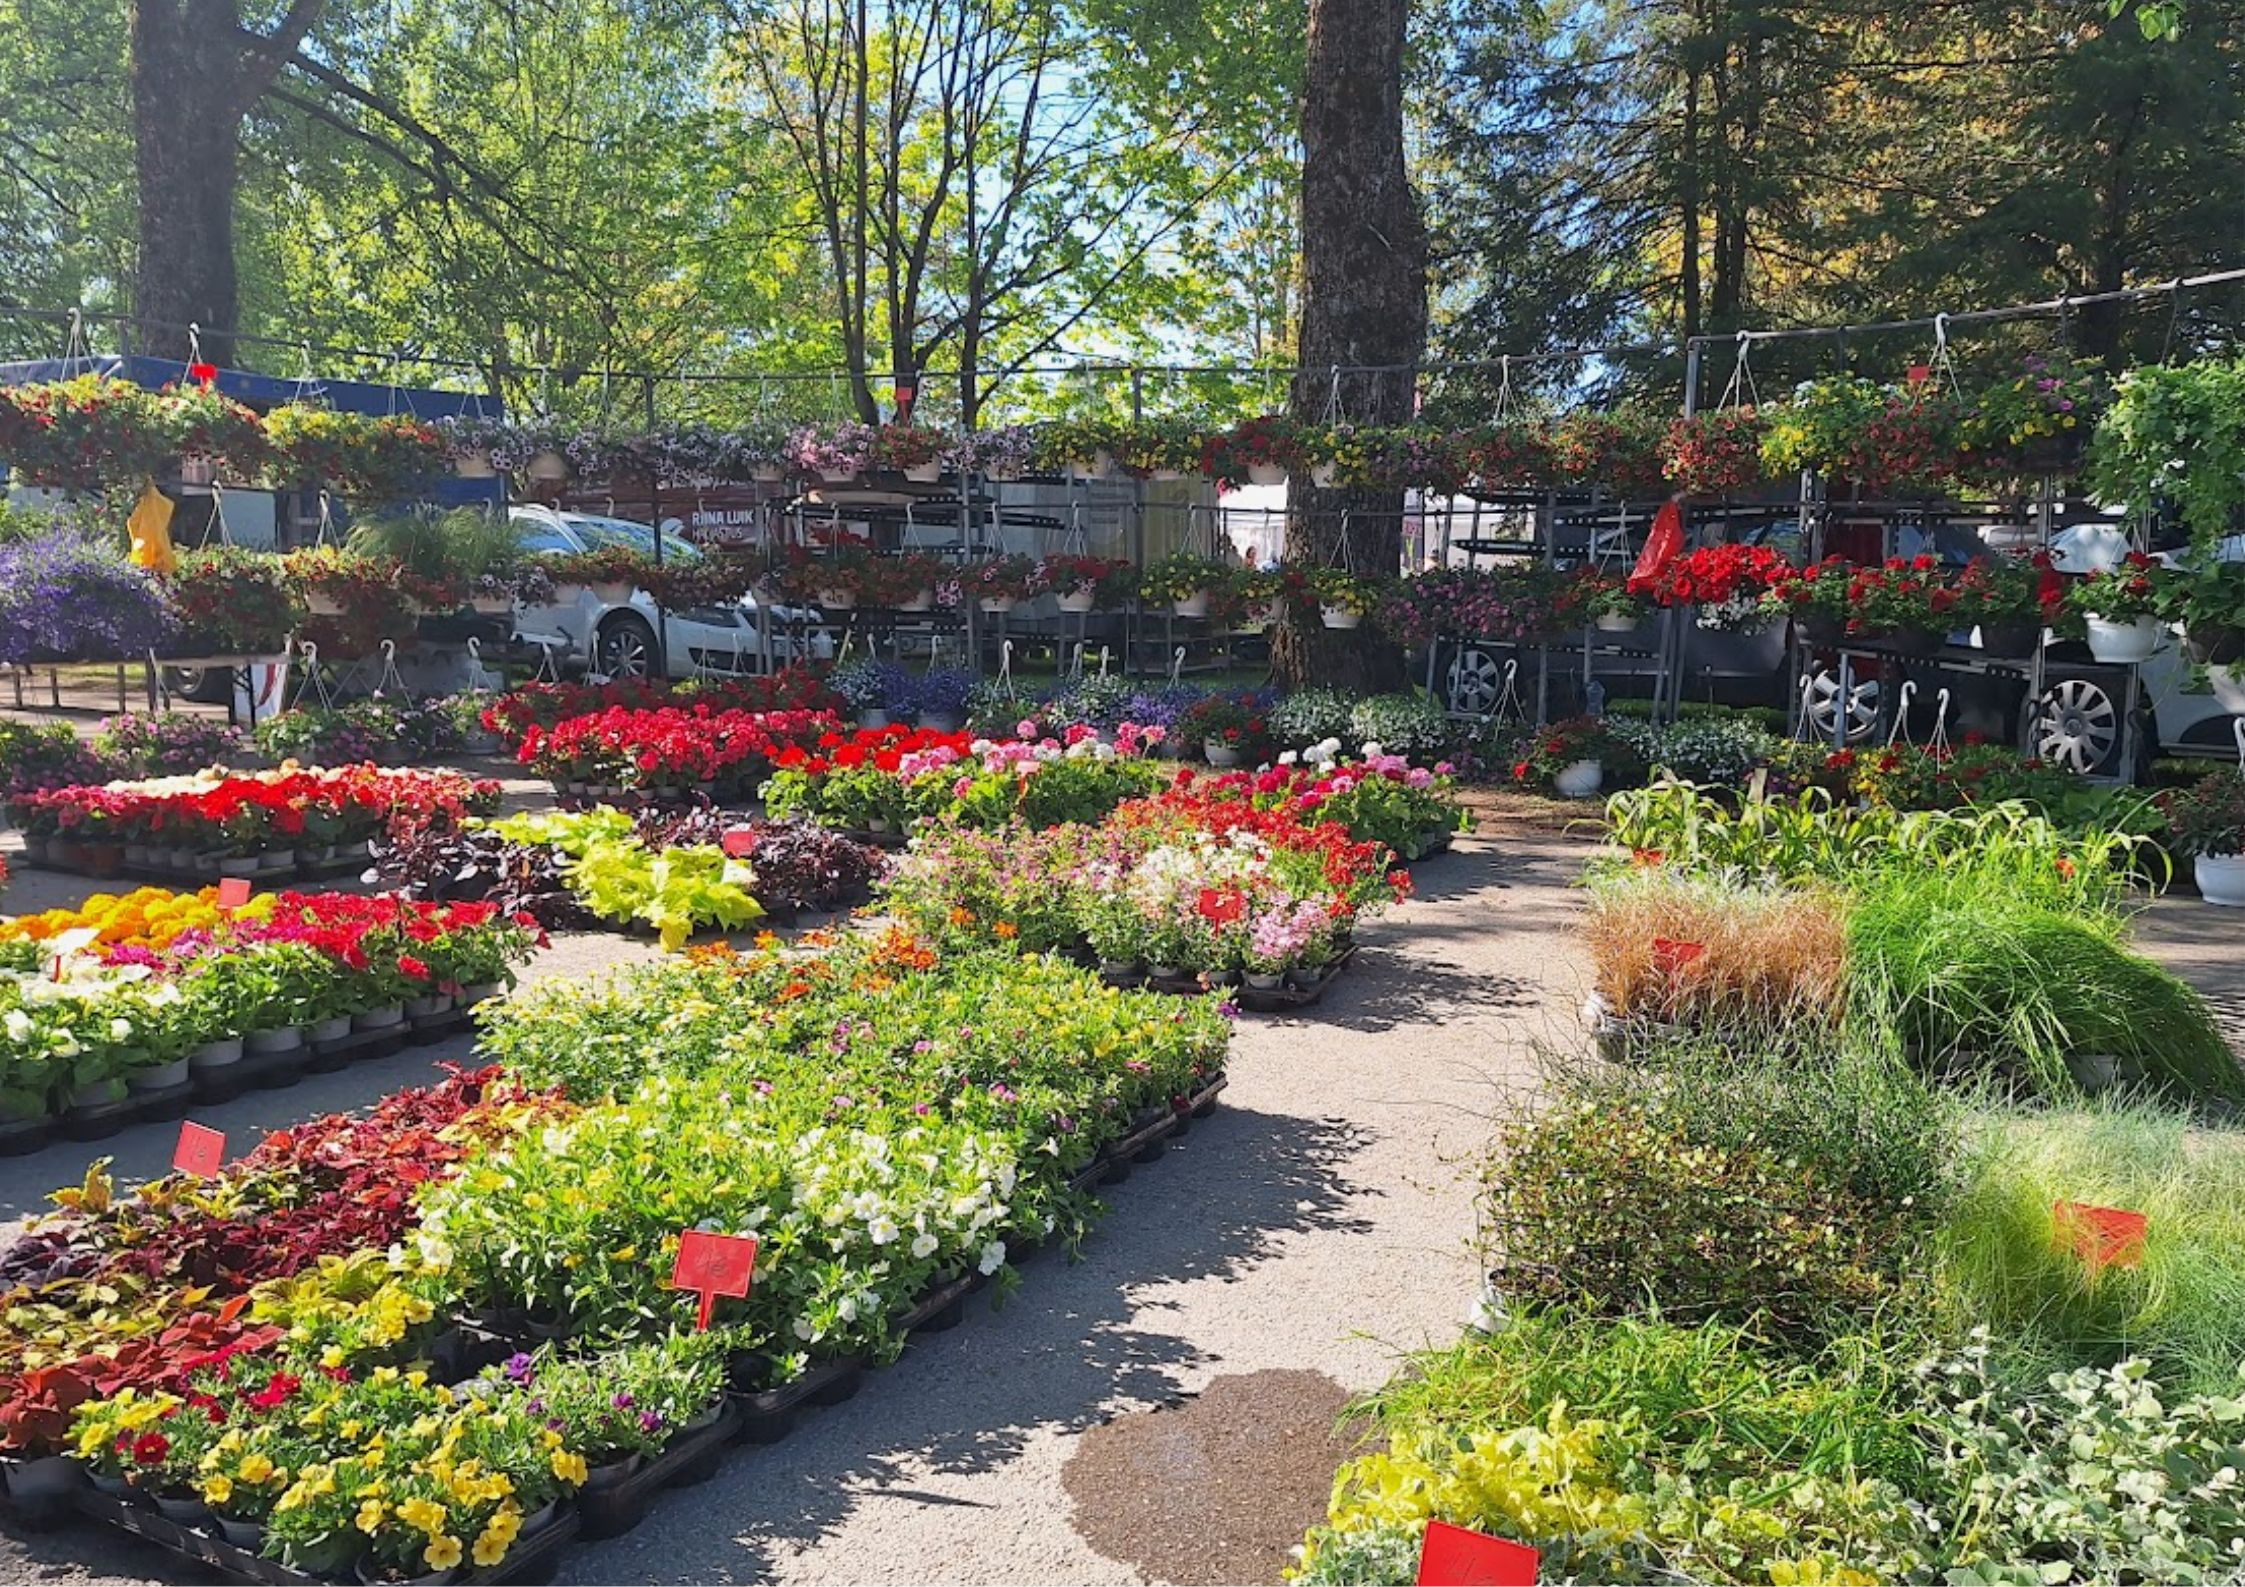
[2074, 725]
[1862, 705]
[623, 653]
[1476, 683]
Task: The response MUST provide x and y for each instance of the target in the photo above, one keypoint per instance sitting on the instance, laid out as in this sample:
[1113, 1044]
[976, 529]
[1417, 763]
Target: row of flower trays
[614, 1499]
[134, 1006]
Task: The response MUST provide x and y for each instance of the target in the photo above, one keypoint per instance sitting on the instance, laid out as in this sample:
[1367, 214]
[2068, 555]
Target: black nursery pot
[2010, 640]
[1823, 630]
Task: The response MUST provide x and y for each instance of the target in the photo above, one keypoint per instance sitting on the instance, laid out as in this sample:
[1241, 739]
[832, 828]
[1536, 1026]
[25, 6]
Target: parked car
[619, 640]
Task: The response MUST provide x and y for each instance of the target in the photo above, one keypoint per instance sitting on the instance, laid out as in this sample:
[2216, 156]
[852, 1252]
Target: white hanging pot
[2122, 642]
[837, 600]
[1275, 612]
[1340, 616]
[2221, 879]
[548, 467]
[1163, 476]
[196, 469]
[1193, 605]
[322, 605]
[997, 605]
[924, 601]
[1265, 474]
[474, 465]
[567, 594]
[837, 476]
[1579, 780]
[2229, 687]
[2009, 536]
[1322, 475]
[924, 473]
[1616, 623]
[612, 592]
[1078, 602]
[492, 605]
[1219, 753]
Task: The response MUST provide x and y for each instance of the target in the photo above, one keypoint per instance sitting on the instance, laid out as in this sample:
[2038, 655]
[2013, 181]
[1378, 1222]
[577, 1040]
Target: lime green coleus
[612, 873]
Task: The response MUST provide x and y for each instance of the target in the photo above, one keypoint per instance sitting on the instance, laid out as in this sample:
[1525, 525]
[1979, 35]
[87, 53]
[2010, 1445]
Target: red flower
[149, 1449]
[409, 965]
[276, 1391]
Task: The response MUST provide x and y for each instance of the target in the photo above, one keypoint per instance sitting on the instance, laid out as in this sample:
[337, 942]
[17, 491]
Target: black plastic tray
[615, 1508]
[1275, 1001]
[533, 1559]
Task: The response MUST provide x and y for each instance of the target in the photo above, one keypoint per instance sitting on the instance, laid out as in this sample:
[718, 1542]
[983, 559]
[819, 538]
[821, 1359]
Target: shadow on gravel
[1065, 1352]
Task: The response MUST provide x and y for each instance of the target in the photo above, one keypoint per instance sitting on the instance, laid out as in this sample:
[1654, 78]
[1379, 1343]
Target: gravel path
[1313, 1228]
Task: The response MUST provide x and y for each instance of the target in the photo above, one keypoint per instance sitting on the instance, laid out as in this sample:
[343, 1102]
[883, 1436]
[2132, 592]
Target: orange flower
[1005, 931]
[961, 915]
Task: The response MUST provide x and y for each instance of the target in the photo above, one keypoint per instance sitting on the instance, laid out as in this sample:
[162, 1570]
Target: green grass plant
[2004, 1262]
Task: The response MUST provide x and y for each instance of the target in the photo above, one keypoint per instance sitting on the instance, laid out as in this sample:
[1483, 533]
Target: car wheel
[1863, 702]
[1475, 682]
[626, 648]
[2075, 723]
[206, 685]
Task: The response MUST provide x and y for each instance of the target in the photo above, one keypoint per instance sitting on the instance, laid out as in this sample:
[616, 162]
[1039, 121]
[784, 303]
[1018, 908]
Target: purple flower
[520, 1368]
[623, 1400]
[649, 1421]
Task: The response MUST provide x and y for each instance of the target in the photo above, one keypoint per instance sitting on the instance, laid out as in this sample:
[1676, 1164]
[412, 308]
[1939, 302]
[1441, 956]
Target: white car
[619, 640]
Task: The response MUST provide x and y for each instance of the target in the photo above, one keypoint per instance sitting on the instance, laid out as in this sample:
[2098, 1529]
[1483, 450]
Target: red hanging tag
[738, 841]
[2101, 1236]
[711, 1265]
[1453, 1556]
[1664, 543]
[1670, 955]
[233, 892]
[200, 1152]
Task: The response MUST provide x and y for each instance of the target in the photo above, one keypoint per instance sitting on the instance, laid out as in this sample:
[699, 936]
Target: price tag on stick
[738, 841]
[200, 1152]
[1452, 1556]
[2102, 1236]
[233, 892]
[711, 1265]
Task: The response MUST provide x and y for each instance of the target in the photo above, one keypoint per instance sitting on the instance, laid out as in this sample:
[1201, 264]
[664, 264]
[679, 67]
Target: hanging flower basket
[1340, 616]
[2123, 642]
[548, 467]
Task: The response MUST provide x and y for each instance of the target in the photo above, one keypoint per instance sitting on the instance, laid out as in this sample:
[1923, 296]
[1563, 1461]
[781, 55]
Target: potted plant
[2207, 822]
[1159, 449]
[470, 440]
[1879, 438]
[1186, 581]
[1083, 583]
[1258, 452]
[998, 584]
[1717, 453]
[1081, 448]
[2174, 439]
[2008, 601]
[1000, 454]
[1731, 587]
[1821, 600]
[1509, 456]
[77, 433]
[1344, 598]
[1571, 758]
[612, 573]
[913, 450]
[1904, 603]
[1230, 730]
[1617, 452]
[2120, 609]
[1610, 605]
[2034, 423]
[210, 433]
[2205, 597]
[838, 456]
[233, 601]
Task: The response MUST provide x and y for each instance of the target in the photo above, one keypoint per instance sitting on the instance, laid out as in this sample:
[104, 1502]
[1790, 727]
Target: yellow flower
[442, 1553]
[491, 1547]
[370, 1516]
[218, 1488]
[256, 1468]
[332, 1357]
[569, 1467]
[425, 1516]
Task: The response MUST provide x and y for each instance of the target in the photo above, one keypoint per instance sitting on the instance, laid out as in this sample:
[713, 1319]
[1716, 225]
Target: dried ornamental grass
[1677, 950]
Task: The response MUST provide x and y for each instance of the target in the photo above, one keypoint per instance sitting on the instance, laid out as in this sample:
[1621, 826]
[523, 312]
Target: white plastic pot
[2122, 642]
[837, 600]
[1580, 780]
[1340, 616]
[1616, 623]
[1322, 475]
[612, 592]
[838, 476]
[1193, 605]
[1076, 603]
[924, 473]
[922, 602]
[2229, 687]
[2221, 879]
[473, 465]
[1265, 474]
[319, 605]
[1219, 753]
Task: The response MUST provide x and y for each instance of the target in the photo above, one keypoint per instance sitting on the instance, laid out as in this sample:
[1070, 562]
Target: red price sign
[1671, 955]
[233, 892]
[1452, 1556]
[2102, 1236]
[200, 1151]
[711, 1265]
[738, 841]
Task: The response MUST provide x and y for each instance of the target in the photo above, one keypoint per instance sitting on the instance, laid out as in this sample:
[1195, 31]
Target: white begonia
[17, 1024]
[120, 1029]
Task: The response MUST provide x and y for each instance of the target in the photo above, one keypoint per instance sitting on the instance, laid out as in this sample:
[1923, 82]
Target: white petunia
[993, 1256]
[923, 1246]
[882, 1230]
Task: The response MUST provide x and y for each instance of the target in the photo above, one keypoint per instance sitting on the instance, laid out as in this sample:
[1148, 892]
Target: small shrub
[1401, 724]
[1310, 716]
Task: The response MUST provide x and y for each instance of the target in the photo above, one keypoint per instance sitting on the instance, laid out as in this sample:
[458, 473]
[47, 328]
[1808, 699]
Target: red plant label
[2101, 1236]
[711, 1265]
[233, 892]
[738, 841]
[1452, 1556]
[1221, 906]
[1671, 955]
[200, 1151]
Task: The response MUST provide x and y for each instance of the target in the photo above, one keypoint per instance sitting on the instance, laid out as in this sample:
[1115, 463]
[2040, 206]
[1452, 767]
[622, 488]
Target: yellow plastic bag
[150, 527]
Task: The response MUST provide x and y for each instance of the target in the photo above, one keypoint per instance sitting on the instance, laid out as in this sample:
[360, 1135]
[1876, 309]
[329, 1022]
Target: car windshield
[600, 533]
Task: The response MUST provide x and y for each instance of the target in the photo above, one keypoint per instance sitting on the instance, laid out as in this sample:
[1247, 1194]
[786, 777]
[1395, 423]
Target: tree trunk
[185, 73]
[1364, 303]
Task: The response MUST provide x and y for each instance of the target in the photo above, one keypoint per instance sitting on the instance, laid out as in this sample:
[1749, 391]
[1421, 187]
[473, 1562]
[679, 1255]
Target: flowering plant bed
[668, 750]
[1730, 584]
[884, 779]
[512, 714]
[289, 812]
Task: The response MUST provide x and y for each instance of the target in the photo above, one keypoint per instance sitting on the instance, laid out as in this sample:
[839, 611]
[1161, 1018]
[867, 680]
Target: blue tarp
[260, 391]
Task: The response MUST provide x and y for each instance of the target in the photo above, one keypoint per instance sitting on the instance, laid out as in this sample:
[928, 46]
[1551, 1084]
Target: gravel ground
[1316, 1224]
